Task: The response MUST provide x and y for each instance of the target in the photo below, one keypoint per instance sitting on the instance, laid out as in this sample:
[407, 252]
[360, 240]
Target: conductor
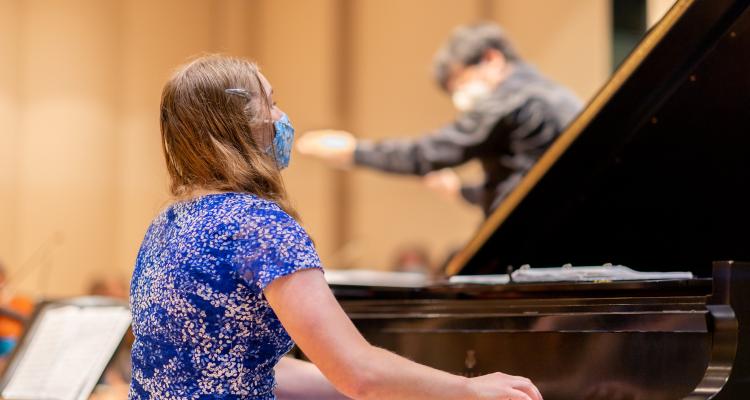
[509, 115]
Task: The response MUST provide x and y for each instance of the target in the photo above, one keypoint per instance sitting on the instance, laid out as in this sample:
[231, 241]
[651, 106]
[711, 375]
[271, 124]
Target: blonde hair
[211, 138]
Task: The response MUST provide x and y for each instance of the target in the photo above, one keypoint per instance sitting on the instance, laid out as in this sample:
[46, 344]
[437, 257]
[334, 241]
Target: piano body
[655, 175]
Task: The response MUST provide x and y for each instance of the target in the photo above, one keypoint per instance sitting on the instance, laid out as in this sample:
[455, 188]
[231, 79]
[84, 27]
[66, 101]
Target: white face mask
[466, 97]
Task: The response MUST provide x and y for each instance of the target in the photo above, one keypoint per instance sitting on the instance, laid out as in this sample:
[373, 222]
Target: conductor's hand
[334, 147]
[498, 386]
[445, 182]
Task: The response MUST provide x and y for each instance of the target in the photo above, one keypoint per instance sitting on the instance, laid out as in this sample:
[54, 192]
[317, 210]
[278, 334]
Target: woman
[226, 277]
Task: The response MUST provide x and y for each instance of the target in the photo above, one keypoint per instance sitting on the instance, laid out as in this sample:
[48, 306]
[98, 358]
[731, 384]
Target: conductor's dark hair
[467, 45]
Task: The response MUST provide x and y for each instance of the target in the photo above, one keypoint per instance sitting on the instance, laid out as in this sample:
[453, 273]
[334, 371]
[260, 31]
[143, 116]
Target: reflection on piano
[654, 174]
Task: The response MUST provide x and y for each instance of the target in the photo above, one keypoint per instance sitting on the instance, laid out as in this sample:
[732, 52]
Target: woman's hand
[334, 147]
[499, 386]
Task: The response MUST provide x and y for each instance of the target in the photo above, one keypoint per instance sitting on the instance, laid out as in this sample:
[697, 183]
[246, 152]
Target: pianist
[509, 114]
[226, 278]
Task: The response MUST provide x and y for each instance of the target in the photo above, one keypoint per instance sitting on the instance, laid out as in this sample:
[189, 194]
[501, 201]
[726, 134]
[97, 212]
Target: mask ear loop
[248, 96]
[240, 93]
[270, 120]
[244, 94]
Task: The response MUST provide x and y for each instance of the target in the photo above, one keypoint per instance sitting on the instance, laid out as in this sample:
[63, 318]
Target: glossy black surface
[673, 339]
[659, 178]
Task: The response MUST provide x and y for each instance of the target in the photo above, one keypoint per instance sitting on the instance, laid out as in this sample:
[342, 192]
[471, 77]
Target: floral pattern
[203, 329]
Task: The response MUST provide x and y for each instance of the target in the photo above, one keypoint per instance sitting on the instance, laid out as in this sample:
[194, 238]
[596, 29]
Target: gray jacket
[507, 132]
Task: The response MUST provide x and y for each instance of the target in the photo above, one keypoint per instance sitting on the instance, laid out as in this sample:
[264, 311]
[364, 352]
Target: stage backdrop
[81, 170]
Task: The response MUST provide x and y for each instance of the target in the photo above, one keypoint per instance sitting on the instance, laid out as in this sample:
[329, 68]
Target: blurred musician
[412, 258]
[14, 310]
[509, 115]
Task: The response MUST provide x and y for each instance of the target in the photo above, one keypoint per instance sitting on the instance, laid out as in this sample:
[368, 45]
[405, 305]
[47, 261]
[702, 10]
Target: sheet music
[67, 353]
[605, 273]
[365, 277]
[500, 279]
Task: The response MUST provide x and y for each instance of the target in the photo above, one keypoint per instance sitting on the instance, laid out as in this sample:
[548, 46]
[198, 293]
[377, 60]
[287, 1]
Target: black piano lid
[654, 173]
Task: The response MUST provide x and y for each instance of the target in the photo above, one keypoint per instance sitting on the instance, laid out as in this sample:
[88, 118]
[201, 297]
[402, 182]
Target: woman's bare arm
[314, 319]
[302, 380]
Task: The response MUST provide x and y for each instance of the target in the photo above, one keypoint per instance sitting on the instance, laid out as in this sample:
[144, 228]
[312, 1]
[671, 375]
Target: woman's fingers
[529, 389]
[518, 395]
[500, 386]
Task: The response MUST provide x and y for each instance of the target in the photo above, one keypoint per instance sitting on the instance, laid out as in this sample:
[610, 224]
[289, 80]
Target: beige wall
[156, 36]
[9, 123]
[568, 40]
[81, 173]
[62, 142]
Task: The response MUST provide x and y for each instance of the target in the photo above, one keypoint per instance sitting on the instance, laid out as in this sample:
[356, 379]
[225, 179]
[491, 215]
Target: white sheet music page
[67, 353]
[364, 277]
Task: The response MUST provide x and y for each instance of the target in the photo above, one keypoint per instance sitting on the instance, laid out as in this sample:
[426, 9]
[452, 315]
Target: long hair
[212, 139]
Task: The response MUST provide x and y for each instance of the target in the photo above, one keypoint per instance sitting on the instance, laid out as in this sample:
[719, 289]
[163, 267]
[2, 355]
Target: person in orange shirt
[14, 311]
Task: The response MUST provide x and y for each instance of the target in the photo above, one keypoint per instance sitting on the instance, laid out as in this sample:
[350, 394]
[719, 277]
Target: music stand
[65, 349]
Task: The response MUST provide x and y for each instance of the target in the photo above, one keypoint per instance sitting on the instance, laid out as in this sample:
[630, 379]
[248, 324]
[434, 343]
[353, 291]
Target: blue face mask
[282, 141]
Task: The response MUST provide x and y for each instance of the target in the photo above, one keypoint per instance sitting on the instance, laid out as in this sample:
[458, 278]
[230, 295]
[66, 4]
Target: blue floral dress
[203, 329]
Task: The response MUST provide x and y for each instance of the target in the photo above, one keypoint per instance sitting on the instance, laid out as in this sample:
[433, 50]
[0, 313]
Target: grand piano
[655, 175]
